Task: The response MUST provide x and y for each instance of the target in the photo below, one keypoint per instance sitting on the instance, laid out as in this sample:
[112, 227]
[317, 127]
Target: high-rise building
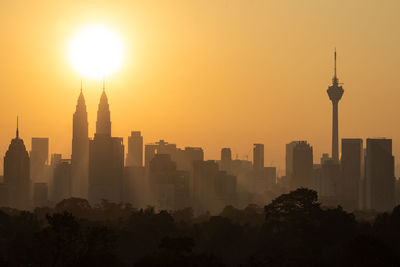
[299, 164]
[169, 187]
[39, 156]
[258, 156]
[379, 175]
[352, 161]
[61, 182]
[16, 174]
[213, 189]
[135, 150]
[226, 159]
[183, 158]
[106, 159]
[80, 150]
[335, 92]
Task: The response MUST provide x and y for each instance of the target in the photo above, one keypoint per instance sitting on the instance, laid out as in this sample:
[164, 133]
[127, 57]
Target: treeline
[293, 230]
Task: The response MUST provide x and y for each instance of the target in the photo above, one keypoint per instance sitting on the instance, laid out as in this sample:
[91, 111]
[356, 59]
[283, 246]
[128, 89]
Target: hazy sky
[207, 73]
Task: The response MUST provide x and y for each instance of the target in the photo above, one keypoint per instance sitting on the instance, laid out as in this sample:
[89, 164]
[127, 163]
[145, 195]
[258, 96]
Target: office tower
[16, 174]
[263, 180]
[61, 181]
[40, 195]
[183, 158]
[135, 186]
[226, 159]
[39, 156]
[379, 175]
[80, 150]
[335, 92]
[135, 149]
[352, 161]
[299, 164]
[150, 150]
[168, 186]
[330, 180]
[213, 189]
[258, 156]
[106, 159]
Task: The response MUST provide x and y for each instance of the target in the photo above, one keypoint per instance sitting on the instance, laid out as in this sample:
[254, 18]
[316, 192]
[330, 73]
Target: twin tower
[98, 163]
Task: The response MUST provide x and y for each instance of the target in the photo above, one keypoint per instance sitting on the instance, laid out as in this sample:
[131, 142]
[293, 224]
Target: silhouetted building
[40, 195]
[39, 156]
[330, 178]
[299, 164]
[106, 159]
[16, 174]
[213, 189]
[80, 150]
[134, 186]
[135, 150]
[61, 182]
[379, 175]
[169, 187]
[258, 156]
[183, 158]
[226, 159]
[352, 162]
[335, 92]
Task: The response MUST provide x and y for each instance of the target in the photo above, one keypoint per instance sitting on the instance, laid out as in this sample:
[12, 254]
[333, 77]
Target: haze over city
[211, 74]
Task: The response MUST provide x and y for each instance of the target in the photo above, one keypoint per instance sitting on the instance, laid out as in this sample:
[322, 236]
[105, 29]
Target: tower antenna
[17, 134]
[335, 62]
[104, 84]
[81, 85]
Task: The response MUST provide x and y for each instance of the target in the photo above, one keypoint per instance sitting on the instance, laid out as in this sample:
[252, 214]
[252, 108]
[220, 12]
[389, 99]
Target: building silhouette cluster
[167, 177]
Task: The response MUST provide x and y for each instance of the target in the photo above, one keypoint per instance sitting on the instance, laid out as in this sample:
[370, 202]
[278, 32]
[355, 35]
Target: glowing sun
[96, 51]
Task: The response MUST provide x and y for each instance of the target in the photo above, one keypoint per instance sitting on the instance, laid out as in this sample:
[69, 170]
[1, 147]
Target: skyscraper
[226, 159]
[352, 162]
[106, 159]
[39, 155]
[135, 149]
[299, 164]
[258, 156]
[335, 92]
[379, 176]
[16, 174]
[80, 150]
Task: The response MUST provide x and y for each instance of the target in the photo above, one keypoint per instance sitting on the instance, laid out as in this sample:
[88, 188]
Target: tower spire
[335, 62]
[104, 84]
[17, 132]
[81, 85]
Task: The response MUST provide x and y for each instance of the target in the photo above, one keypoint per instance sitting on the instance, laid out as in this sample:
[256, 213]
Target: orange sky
[214, 74]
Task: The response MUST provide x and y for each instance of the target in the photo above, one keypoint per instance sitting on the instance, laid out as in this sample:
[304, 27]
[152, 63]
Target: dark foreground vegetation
[293, 230]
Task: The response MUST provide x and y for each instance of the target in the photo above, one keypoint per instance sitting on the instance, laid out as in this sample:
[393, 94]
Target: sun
[96, 51]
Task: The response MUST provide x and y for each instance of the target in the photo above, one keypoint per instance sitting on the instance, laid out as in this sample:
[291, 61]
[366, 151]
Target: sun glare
[96, 52]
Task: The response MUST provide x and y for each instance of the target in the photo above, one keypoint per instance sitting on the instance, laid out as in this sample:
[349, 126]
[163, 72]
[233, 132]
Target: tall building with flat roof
[379, 175]
[352, 161]
[299, 165]
[39, 156]
[258, 156]
[135, 149]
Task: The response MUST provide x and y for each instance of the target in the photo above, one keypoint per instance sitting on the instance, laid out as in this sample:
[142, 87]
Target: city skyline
[280, 68]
